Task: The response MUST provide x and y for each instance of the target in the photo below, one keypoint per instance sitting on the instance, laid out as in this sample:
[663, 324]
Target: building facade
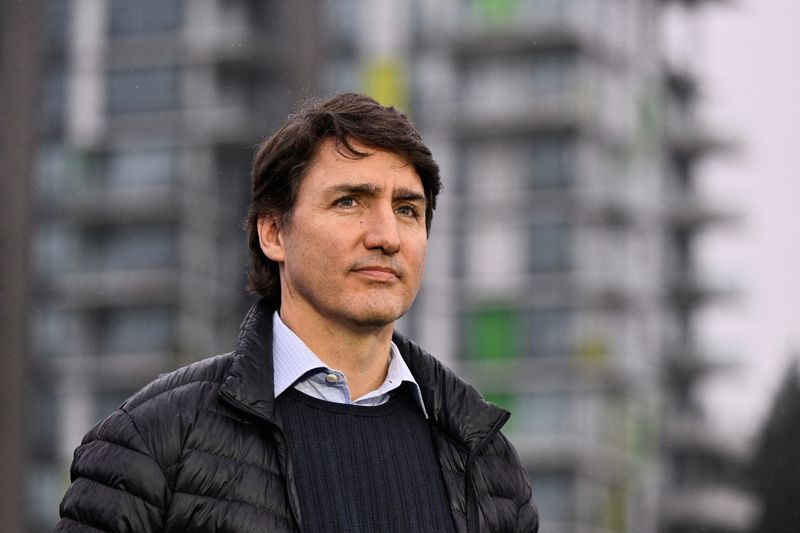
[559, 278]
[149, 116]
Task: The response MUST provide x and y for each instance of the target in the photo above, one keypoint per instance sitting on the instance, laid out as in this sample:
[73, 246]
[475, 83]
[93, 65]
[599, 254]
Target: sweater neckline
[395, 401]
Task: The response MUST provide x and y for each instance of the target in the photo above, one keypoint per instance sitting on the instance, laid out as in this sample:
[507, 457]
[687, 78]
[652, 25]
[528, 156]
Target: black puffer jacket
[200, 450]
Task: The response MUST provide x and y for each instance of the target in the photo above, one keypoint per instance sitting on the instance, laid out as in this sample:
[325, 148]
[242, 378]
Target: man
[323, 418]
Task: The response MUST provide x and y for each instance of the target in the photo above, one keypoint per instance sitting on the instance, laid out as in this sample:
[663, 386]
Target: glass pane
[45, 489]
[554, 494]
[46, 420]
[107, 402]
[143, 89]
[493, 334]
[550, 247]
[544, 414]
[54, 97]
[137, 330]
[553, 74]
[57, 333]
[144, 16]
[141, 168]
[343, 19]
[140, 246]
[552, 161]
[548, 332]
[55, 250]
[57, 20]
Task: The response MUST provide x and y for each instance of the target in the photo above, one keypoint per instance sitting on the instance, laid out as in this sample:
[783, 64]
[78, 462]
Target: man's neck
[362, 355]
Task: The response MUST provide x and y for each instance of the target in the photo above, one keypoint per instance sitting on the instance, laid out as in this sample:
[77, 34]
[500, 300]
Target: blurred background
[614, 257]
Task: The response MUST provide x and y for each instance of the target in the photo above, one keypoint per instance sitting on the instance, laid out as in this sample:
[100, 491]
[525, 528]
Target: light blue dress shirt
[296, 365]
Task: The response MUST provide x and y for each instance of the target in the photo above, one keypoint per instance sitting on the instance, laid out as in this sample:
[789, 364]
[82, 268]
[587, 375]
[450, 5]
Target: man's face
[354, 249]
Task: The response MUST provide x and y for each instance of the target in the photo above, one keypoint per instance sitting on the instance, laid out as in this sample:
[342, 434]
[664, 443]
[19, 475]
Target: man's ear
[270, 238]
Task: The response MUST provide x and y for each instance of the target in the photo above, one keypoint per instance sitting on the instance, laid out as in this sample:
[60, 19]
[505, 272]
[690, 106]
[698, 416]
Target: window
[56, 249]
[493, 333]
[544, 414]
[555, 494]
[550, 247]
[136, 330]
[552, 161]
[45, 486]
[494, 11]
[52, 177]
[45, 424]
[57, 20]
[54, 97]
[553, 74]
[343, 19]
[516, 11]
[57, 333]
[138, 168]
[60, 171]
[130, 247]
[343, 75]
[143, 89]
[548, 332]
[107, 402]
[144, 16]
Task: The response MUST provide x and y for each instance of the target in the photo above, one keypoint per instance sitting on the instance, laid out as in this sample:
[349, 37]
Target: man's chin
[376, 318]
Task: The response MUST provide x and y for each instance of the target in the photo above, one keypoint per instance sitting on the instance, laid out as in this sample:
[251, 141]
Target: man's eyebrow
[408, 195]
[370, 189]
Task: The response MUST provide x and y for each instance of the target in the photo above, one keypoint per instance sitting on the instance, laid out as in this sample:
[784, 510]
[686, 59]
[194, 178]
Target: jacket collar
[454, 407]
[248, 383]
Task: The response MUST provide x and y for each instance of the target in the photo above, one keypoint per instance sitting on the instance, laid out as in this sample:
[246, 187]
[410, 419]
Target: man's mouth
[378, 272]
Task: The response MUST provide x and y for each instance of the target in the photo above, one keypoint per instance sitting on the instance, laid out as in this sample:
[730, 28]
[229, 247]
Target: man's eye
[408, 211]
[346, 201]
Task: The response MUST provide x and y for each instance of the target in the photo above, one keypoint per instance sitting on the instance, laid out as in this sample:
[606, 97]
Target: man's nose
[382, 230]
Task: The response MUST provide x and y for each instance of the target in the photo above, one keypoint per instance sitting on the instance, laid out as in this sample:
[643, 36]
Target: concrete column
[19, 40]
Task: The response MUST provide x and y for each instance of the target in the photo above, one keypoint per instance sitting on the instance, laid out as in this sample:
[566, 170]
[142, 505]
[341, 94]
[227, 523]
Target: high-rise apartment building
[557, 242]
[702, 481]
[561, 273]
[559, 276]
[150, 112]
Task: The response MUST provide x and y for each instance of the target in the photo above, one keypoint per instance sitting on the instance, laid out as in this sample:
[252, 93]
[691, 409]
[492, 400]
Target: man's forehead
[331, 155]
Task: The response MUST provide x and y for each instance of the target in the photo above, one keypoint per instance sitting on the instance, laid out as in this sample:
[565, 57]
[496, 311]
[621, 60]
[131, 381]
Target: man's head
[356, 127]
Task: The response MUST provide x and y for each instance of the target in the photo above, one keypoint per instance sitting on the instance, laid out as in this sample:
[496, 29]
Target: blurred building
[560, 276]
[19, 72]
[703, 483]
[150, 113]
[555, 291]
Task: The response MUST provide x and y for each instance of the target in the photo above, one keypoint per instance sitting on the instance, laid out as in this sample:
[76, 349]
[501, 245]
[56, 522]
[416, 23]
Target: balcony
[691, 289]
[115, 288]
[92, 205]
[710, 508]
[691, 431]
[509, 118]
[686, 363]
[688, 211]
[568, 25]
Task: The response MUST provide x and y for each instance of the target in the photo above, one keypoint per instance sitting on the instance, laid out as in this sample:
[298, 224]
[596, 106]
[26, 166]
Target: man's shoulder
[185, 386]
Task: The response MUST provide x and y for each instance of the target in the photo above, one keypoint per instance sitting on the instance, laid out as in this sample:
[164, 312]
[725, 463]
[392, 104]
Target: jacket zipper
[472, 490]
[283, 443]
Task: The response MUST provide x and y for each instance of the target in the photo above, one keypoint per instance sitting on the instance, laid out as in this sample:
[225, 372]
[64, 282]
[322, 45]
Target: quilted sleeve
[117, 485]
[527, 514]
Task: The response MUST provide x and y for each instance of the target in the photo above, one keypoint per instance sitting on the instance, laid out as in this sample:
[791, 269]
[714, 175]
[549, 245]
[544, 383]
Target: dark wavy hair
[284, 159]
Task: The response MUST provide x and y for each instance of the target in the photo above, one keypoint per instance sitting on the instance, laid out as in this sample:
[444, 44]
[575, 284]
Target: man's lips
[377, 272]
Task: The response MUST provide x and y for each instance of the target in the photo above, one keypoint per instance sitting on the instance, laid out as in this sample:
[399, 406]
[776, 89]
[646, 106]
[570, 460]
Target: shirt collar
[294, 361]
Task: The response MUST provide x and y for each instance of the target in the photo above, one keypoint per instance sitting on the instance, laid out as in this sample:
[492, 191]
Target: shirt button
[332, 378]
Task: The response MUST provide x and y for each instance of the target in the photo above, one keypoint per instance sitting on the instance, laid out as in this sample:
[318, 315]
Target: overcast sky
[751, 50]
